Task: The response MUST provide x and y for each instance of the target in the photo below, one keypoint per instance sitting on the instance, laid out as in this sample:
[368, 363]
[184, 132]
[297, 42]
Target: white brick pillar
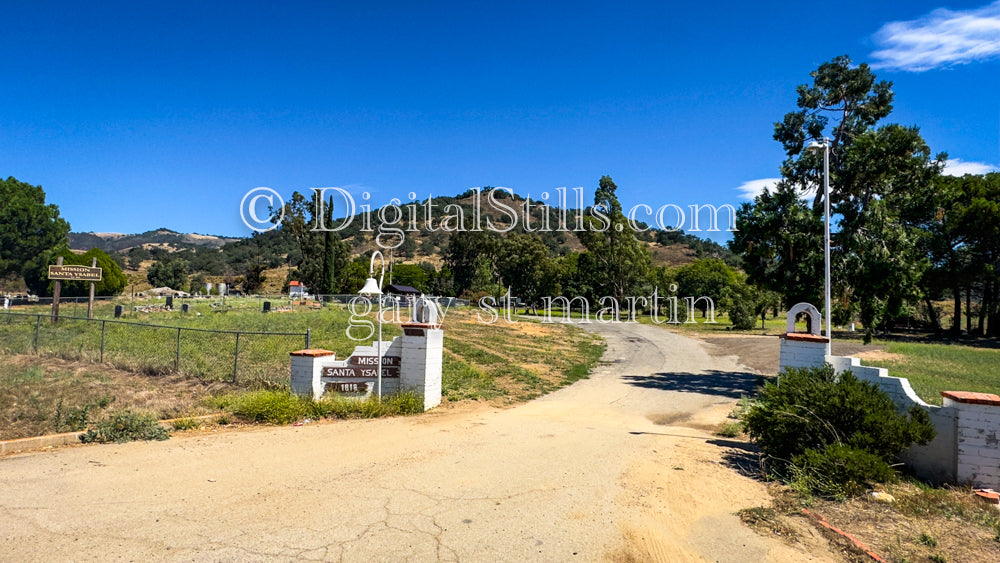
[307, 367]
[978, 434]
[420, 369]
[799, 350]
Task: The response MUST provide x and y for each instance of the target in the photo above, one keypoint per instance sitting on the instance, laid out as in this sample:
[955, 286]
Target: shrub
[795, 421]
[126, 426]
[839, 470]
[730, 430]
[741, 309]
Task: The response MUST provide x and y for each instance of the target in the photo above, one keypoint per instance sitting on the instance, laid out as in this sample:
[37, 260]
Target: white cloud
[753, 188]
[939, 39]
[958, 167]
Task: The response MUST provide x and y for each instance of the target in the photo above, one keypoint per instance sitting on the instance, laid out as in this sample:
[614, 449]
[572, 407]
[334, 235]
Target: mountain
[163, 238]
[426, 227]
[476, 211]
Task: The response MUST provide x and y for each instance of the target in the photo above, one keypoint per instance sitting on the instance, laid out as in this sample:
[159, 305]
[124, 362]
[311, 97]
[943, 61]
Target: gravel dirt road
[619, 467]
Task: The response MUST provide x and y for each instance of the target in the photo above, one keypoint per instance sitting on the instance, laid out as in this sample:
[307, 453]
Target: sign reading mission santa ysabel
[80, 273]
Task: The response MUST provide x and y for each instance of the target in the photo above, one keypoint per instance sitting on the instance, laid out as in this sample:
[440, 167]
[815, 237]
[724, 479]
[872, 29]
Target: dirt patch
[534, 329]
[881, 356]
[710, 418]
[761, 353]
[681, 497]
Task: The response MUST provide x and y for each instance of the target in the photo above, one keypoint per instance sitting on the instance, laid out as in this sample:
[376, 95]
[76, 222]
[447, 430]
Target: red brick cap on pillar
[989, 495]
[970, 398]
[805, 337]
[312, 352]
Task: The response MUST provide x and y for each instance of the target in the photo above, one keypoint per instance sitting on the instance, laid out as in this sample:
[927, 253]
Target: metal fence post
[102, 341]
[38, 322]
[308, 337]
[177, 358]
[236, 357]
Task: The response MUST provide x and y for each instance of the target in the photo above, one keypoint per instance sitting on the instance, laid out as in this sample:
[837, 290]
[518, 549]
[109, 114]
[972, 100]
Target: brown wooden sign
[365, 366]
[359, 387]
[80, 273]
[372, 361]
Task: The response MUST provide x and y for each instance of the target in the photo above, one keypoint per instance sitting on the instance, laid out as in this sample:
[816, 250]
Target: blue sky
[134, 116]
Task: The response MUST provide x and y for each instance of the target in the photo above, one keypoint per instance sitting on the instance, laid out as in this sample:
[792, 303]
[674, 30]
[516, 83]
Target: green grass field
[722, 324]
[932, 368]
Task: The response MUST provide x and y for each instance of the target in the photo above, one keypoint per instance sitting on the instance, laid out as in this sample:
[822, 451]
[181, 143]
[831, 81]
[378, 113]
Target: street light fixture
[814, 147]
[371, 288]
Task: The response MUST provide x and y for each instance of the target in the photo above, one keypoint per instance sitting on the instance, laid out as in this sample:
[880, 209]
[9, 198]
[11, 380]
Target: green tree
[297, 223]
[616, 262]
[840, 91]
[524, 267]
[253, 277]
[875, 173]
[470, 256]
[409, 247]
[136, 255]
[745, 303]
[411, 275]
[31, 233]
[113, 281]
[355, 274]
[572, 280]
[169, 273]
[980, 225]
[198, 282]
[710, 278]
[780, 240]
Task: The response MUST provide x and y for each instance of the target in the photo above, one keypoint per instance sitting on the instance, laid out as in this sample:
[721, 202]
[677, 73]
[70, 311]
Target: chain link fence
[248, 358]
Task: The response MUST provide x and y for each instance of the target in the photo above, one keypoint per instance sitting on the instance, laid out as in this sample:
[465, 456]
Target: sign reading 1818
[365, 366]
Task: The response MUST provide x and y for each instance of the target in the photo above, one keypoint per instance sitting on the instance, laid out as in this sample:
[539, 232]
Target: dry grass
[923, 524]
[38, 395]
[673, 255]
[507, 363]
[501, 363]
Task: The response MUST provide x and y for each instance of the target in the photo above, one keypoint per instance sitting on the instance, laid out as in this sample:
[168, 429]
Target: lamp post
[371, 288]
[813, 147]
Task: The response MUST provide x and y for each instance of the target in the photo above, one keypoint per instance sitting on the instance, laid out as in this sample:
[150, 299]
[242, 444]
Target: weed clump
[78, 418]
[274, 407]
[126, 426]
[832, 435]
[186, 423]
[284, 407]
[396, 404]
